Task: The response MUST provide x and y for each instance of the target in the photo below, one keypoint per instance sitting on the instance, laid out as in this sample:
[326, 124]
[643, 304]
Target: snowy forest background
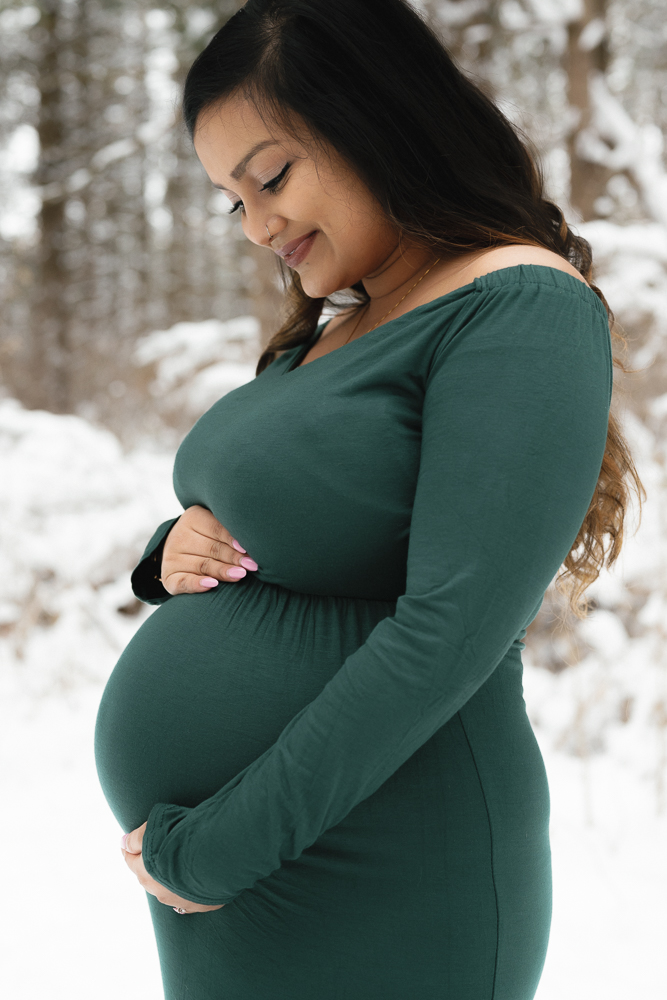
[129, 302]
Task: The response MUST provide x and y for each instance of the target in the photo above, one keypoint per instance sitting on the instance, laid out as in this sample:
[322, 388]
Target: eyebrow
[240, 168]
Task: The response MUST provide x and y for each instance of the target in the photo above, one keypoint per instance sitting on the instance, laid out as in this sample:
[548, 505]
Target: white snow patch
[197, 363]
[76, 511]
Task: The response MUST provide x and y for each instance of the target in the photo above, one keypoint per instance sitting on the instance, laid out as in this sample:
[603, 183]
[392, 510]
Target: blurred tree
[258, 271]
[125, 240]
[128, 235]
[587, 53]
[49, 384]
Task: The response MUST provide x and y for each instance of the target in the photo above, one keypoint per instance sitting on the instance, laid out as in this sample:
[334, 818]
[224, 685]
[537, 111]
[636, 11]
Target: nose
[272, 226]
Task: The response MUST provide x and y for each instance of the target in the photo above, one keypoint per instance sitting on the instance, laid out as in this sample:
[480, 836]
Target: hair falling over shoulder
[449, 169]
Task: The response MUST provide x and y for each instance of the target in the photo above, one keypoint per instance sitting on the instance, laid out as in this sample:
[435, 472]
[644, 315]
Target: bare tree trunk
[197, 279]
[50, 386]
[586, 52]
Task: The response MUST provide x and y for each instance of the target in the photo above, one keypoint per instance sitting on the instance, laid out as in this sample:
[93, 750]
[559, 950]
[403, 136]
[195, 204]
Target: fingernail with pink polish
[208, 581]
[248, 563]
[123, 841]
[235, 573]
[237, 545]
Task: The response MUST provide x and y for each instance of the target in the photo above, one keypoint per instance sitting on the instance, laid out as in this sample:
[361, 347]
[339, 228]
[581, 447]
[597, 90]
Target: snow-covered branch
[614, 140]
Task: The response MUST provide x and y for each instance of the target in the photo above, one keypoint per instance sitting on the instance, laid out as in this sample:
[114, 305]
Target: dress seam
[488, 282]
[493, 874]
[487, 288]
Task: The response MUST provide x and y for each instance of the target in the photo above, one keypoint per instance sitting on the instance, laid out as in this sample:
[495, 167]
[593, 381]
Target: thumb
[131, 842]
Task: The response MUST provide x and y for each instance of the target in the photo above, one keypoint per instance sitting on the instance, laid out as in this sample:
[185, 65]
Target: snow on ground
[608, 837]
[75, 923]
[75, 513]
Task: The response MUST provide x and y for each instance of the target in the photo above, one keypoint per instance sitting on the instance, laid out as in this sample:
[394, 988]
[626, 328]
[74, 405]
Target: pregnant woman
[318, 743]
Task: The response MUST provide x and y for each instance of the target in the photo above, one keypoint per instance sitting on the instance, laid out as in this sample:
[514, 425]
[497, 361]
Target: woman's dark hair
[372, 80]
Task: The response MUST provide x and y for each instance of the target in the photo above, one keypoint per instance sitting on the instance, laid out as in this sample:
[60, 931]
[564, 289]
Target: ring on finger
[179, 909]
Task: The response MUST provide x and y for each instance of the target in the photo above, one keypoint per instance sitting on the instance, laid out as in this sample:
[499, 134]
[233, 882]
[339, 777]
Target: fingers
[189, 583]
[216, 543]
[195, 573]
[217, 558]
[168, 898]
[132, 841]
[203, 521]
[193, 563]
[186, 907]
[135, 863]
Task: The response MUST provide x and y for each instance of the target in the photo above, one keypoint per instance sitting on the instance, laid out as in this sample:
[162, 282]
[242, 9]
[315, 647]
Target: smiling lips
[289, 248]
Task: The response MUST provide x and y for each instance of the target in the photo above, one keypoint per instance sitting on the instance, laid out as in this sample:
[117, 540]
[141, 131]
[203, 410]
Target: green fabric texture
[337, 747]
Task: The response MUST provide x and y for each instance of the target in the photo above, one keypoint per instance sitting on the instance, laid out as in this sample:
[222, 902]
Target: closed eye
[270, 186]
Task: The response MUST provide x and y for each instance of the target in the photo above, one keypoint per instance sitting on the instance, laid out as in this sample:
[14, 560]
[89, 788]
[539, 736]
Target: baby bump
[208, 683]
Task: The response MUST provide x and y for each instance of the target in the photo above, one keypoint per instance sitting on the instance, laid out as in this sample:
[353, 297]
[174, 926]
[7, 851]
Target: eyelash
[270, 186]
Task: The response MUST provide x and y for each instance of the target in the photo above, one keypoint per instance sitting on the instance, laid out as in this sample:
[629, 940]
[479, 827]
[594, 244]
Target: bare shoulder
[499, 257]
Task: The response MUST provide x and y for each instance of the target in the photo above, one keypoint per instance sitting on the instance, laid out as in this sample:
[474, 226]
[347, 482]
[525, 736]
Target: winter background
[129, 303]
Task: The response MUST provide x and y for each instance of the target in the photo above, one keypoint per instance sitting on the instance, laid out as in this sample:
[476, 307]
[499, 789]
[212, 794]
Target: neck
[392, 279]
[397, 273]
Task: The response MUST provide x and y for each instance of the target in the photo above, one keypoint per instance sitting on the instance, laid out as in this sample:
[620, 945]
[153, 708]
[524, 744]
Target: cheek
[326, 200]
[349, 240]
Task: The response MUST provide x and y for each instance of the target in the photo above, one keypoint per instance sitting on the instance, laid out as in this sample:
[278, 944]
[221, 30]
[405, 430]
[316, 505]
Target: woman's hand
[198, 552]
[131, 848]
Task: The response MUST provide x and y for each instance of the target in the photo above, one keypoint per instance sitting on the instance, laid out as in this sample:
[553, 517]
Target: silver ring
[267, 229]
[179, 909]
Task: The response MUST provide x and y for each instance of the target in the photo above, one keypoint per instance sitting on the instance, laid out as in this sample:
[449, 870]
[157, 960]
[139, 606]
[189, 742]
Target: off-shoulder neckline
[512, 274]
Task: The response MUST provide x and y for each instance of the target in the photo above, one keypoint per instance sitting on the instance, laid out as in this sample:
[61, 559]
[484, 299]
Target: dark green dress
[337, 747]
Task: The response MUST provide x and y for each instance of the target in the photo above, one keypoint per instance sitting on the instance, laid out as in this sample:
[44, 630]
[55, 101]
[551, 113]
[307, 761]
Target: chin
[318, 286]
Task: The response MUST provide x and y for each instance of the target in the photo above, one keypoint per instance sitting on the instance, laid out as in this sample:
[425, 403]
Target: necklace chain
[392, 308]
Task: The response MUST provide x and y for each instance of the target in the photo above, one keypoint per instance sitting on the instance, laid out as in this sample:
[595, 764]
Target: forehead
[233, 121]
[232, 132]
[226, 138]
[233, 129]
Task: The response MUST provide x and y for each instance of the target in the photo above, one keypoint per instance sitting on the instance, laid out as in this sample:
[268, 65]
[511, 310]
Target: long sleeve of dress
[145, 577]
[514, 427]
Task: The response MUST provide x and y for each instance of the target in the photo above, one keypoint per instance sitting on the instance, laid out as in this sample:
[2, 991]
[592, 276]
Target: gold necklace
[392, 308]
